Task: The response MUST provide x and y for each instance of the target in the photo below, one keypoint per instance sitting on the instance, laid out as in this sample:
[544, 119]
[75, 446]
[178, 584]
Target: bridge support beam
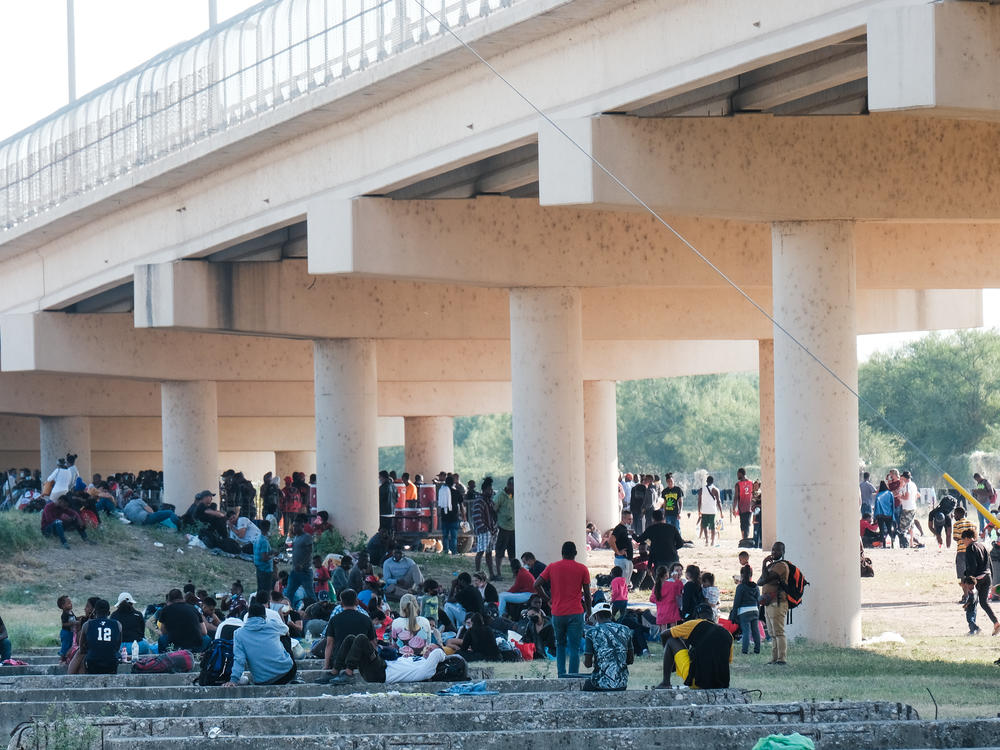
[816, 422]
[61, 435]
[190, 440]
[346, 392]
[429, 445]
[547, 395]
[600, 446]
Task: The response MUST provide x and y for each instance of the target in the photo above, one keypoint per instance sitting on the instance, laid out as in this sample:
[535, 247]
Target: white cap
[125, 597]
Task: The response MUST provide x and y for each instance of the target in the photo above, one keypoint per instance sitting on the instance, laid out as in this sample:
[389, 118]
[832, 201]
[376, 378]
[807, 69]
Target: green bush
[19, 531]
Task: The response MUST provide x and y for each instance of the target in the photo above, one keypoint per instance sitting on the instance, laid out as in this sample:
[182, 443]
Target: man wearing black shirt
[664, 541]
[386, 500]
[350, 621]
[977, 566]
[638, 503]
[101, 641]
[673, 502]
[621, 544]
[181, 625]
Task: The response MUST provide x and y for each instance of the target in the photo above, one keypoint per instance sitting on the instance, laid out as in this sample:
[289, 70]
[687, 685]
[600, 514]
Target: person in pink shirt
[666, 596]
[619, 594]
[520, 591]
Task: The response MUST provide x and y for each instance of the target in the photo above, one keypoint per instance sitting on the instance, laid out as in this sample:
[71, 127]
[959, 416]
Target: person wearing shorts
[709, 502]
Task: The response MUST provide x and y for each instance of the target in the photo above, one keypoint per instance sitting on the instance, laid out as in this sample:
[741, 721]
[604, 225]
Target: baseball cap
[125, 597]
[203, 494]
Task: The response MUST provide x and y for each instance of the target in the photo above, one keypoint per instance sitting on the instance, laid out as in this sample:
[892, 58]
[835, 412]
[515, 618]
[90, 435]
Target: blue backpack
[216, 663]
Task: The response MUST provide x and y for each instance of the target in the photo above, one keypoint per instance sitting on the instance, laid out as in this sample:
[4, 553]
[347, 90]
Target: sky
[114, 36]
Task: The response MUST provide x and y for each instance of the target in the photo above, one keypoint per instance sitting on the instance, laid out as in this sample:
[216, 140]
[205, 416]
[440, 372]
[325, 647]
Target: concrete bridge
[318, 220]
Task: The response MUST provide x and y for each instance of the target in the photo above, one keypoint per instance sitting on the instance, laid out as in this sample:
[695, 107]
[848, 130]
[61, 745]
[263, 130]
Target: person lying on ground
[358, 655]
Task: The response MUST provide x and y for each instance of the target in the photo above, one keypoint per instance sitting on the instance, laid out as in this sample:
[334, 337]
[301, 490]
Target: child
[430, 602]
[711, 593]
[619, 594]
[68, 623]
[969, 602]
[667, 597]
[744, 558]
[321, 579]
[745, 609]
[692, 594]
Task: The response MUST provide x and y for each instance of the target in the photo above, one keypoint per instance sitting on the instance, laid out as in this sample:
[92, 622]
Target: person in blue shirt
[257, 648]
[263, 560]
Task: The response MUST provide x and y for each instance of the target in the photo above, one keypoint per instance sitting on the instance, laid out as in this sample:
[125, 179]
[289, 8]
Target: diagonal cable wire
[687, 243]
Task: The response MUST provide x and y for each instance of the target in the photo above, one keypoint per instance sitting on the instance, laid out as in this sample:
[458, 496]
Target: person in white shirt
[241, 528]
[358, 654]
[908, 507]
[63, 477]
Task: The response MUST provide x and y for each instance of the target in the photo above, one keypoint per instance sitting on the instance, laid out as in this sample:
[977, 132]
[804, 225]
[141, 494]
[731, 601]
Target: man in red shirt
[58, 517]
[569, 582]
[743, 501]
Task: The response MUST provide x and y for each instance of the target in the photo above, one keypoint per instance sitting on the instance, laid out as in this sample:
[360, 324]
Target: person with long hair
[410, 632]
[667, 591]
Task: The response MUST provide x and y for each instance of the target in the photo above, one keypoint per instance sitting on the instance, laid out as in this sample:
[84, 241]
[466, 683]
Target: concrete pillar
[285, 462]
[429, 444]
[816, 423]
[346, 434]
[600, 450]
[190, 425]
[547, 397]
[61, 435]
[769, 533]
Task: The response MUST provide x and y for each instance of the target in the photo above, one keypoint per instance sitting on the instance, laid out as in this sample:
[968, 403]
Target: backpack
[796, 585]
[947, 504]
[453, 669]
[867, 571]
[175, 661]
[216, 663]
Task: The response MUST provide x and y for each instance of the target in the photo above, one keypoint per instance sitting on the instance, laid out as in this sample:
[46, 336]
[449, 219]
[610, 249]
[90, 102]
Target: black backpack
[453, 669]
[216, 663]
[947, 504]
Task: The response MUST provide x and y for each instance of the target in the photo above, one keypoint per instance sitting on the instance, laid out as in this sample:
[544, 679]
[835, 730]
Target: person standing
[483, 520]
[637, 504]
[621, 545]
[503, 504]
[986, 496]
[451, 515]
[263, 558]
[709, 503]
[386, 500]
[301, 576]
[673, 502]
[664, 541]
[867, 494]
[908, 508]
[962, 524]
[743, 502]
[977, 566]
[570, 585]
[772, 582]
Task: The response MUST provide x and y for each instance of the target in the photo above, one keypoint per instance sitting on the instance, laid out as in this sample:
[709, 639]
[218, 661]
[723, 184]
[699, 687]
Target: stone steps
[452, 715]
[49, 665]
[869, 735]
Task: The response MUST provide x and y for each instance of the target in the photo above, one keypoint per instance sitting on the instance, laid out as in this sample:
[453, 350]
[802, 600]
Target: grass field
[913, 595]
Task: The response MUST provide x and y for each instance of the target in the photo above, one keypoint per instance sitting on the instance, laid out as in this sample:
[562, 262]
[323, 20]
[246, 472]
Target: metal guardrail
[254, 63]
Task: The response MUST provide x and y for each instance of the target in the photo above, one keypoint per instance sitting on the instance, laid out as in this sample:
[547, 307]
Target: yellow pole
[968, 496]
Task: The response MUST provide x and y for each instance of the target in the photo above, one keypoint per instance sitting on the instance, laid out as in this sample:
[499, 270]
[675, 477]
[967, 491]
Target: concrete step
[453, 715]
[295, 700]
[47, 665]
[868, 735]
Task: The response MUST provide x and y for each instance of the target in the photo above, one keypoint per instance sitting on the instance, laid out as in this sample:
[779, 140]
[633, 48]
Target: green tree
[941, 392]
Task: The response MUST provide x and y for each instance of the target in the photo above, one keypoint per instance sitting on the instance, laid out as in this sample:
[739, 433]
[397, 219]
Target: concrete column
[600, 450]
[547, 397]
[429, 444]
[346, 433]
[190, 425]
[285, 462]
[816, 423]
[61, 435]
[769, 533]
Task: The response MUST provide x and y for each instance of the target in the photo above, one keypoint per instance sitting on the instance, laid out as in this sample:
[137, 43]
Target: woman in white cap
[133, 626]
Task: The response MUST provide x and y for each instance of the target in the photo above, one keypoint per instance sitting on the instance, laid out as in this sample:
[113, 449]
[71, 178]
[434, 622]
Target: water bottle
[135, 650]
